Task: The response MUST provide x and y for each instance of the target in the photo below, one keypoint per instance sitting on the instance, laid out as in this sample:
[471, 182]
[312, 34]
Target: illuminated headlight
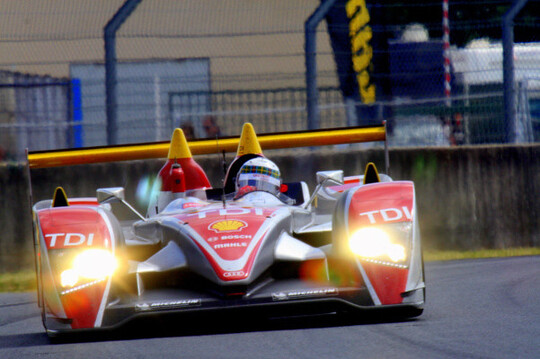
[69, 278]
[90, 265]
[374, 243]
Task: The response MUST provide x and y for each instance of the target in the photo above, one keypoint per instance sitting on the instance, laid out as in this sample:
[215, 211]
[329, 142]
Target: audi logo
[234, 274]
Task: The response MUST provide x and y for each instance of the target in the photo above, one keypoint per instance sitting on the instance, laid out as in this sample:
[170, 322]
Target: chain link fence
[35, 112]
[181, 62]
[528, 109]
[269, 110]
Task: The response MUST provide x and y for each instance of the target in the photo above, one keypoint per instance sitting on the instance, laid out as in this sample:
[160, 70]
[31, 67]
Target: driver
[260, 174]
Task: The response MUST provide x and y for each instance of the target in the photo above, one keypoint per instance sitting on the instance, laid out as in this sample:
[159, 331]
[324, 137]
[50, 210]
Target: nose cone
[230, 238]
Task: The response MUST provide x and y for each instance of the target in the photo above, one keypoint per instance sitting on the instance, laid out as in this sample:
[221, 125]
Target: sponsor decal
[236, 236]
[235, 274]
[228, 225]
[229, 237]
[362, 52]
[388, 214]
[230, 245]
[173, 304]
[230, 212]
[69, 239]
[192, 205]
[299, 294]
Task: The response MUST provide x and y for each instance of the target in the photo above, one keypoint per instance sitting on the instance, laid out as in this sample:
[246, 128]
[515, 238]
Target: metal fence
[36, 112]
[269, 110]
[245, 61]
[528, 110]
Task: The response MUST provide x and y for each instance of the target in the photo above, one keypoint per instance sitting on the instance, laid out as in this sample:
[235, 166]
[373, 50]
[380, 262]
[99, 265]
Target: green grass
[483, 253]
[18, 282]
[26, 280]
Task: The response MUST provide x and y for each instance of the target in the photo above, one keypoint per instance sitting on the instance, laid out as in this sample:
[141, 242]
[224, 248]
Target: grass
[26, 280]
[18, 282]
[430, 256]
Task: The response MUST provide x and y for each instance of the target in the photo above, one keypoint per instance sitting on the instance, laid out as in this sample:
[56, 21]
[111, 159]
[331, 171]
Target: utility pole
[109, 36]
[508, 70]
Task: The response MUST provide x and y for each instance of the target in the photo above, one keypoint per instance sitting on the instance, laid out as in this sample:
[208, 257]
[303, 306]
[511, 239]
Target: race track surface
[486, 308]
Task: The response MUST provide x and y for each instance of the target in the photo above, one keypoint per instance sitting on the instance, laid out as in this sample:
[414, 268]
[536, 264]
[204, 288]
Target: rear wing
[334, 136]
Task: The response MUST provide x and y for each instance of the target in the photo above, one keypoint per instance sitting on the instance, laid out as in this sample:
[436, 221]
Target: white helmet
[261, 174]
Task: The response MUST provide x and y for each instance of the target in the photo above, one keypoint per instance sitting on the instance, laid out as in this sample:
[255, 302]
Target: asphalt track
[486, 308]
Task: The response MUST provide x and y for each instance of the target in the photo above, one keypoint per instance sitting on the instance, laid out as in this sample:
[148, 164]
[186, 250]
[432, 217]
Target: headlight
[69, 278]
[92, 264]
[375, 243]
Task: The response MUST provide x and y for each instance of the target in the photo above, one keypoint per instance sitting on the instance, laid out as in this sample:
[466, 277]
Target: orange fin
[248, 144]
[179, 147]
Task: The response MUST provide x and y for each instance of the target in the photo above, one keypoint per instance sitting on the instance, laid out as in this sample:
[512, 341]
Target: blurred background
[79, 73]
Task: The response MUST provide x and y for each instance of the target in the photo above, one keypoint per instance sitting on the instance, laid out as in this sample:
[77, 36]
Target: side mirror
[335, 176]
[322, 177]
[104, 194]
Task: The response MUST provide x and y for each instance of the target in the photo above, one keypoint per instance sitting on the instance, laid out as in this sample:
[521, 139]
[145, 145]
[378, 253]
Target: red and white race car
[352, 244]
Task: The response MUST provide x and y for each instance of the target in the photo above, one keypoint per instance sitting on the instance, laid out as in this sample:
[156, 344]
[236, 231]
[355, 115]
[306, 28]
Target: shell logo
[229, 225]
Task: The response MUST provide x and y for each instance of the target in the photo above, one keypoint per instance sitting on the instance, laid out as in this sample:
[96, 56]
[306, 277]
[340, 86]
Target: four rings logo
[229, 225]
[236, 274]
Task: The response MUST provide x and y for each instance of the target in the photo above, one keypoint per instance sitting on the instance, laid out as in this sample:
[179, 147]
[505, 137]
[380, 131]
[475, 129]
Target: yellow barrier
[199, 147]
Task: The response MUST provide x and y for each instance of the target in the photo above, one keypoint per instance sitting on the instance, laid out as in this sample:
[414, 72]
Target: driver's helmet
[259, 174]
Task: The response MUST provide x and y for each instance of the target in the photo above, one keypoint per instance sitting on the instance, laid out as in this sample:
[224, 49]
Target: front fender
[390, 208]
[64, 233]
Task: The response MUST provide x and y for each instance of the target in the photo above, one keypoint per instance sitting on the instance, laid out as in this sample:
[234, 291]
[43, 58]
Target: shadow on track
[183, 326]
[23, 340]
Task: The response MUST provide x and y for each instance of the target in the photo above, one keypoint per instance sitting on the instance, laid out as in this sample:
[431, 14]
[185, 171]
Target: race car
[256, 243]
